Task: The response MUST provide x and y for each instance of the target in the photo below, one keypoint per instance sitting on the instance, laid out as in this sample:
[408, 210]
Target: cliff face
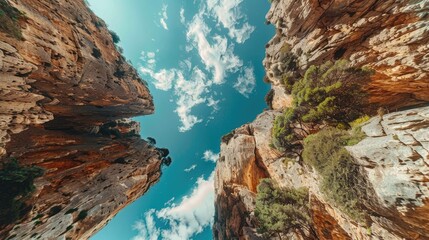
[393, 158]
[390, 37]
[68, 64]
[64, 89]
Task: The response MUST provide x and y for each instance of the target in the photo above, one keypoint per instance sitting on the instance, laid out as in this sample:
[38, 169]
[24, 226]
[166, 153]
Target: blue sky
[203, 63]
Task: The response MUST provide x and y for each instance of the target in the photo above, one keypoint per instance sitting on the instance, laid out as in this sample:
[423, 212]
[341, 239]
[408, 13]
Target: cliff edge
[390, 158]
[65, 91]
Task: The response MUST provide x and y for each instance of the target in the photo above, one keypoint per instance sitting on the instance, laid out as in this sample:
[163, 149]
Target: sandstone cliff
[64, 89]
[393, 157]
[390, 37]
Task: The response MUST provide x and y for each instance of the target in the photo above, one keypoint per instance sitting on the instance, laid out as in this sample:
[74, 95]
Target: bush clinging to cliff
[342, 181]
[280, 211]
[115, 37]
[332, 92]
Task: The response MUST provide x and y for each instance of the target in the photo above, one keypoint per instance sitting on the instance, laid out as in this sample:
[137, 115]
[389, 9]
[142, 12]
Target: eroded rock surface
[68, 65]
[391, 37]
[63, 89]
[95, 172]
[394, 160]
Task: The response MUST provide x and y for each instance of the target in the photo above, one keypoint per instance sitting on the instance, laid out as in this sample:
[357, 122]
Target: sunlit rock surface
[63, 89]
[390, 37]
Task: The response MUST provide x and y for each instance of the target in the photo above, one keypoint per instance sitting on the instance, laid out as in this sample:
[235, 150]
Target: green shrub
[16, 185]
[291, 73]
[360, 121]
[330, 94]
[281, 210]
[115, 37]
[9, 19]
[284, 137]
[342, 181]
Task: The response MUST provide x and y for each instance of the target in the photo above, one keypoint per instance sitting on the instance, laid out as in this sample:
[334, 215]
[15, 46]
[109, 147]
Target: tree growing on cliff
[280, 211]
[330, 94]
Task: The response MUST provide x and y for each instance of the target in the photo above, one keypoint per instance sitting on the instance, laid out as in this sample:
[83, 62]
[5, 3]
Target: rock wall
[64, 88]
[390, 37]
[89, 171]
[393, 158]
[67, 64]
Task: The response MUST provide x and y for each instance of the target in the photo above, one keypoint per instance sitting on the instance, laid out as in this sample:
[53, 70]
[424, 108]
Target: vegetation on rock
[9, 19]
[115, 37]
[16, 185]
[328, 95]
[280, 211]
[342, 181]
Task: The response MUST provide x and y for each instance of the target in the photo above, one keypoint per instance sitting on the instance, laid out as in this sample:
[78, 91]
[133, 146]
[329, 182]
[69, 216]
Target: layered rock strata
[393, 158]
[64, 86]
[389, 37]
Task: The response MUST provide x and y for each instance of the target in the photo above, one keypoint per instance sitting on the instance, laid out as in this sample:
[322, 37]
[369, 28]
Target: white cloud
[149, 59]
[190, 94]
[229, 15]
[245, 84]
[169, 201]
[163, 79]
[211, 102]
[218, 57]
[186, 65]
[192, 85]
[190, 168]
[150, 54]
[164, 16]
[147, 229]
[194, 213]
[209, 155]
[163, 23]
[182, 15]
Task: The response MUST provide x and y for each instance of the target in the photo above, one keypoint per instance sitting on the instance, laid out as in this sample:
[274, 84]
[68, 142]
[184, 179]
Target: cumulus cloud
[190, 94]
[246, 83]
[192, 85]
[164, 16]
[218, 57]
[163, 79]
[148, 59]
[229, 15]
[209, 155]
[147, 229]
[190, 168]
[194, 213]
